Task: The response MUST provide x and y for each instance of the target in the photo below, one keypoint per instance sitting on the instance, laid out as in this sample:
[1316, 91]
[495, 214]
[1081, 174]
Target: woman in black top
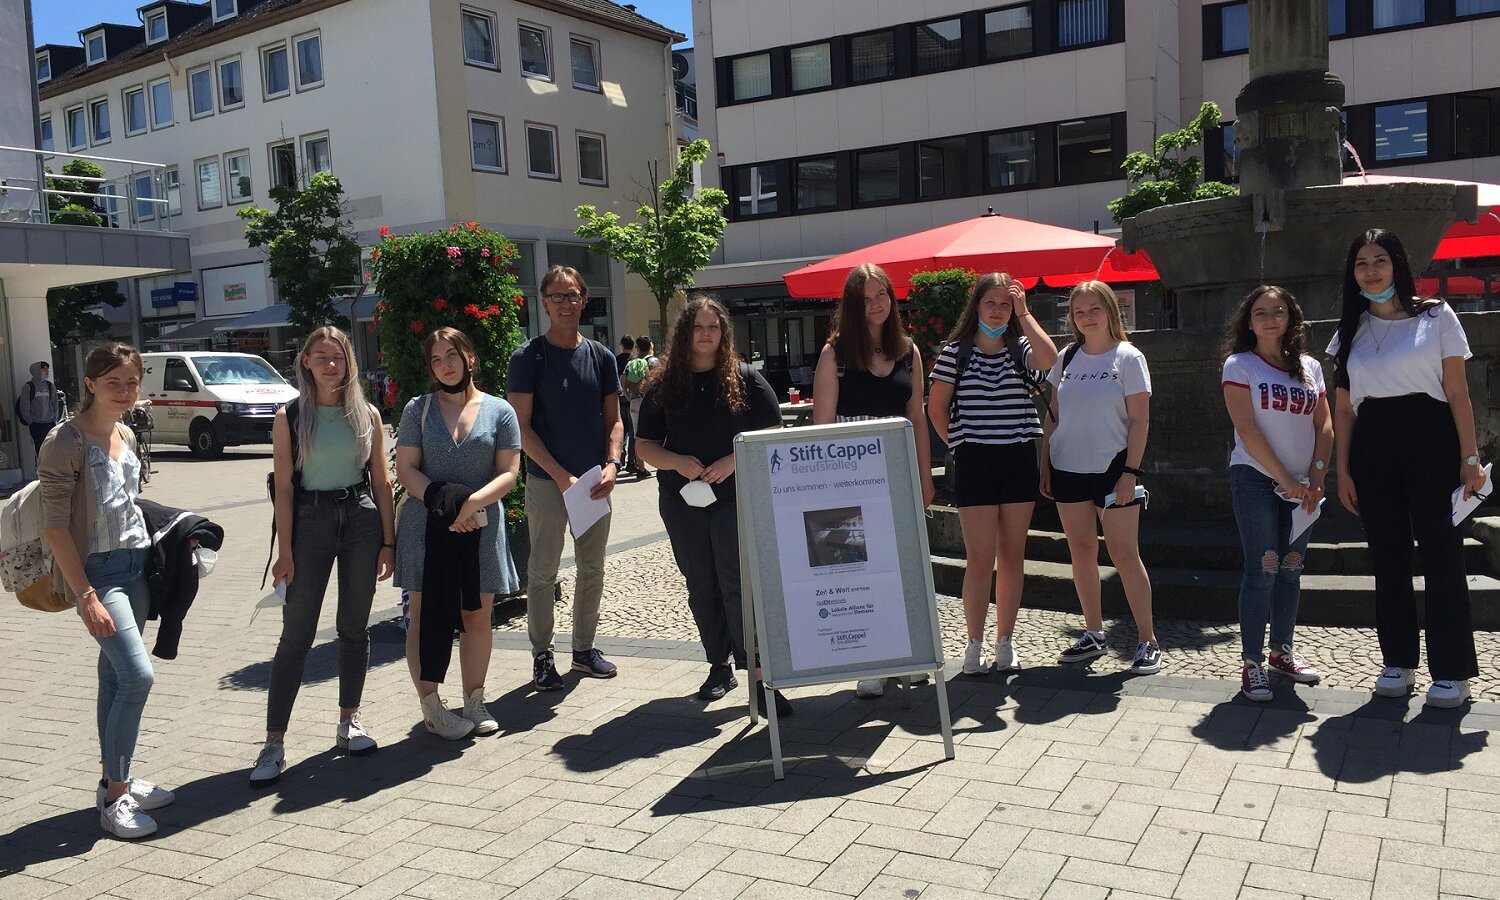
[694, 404]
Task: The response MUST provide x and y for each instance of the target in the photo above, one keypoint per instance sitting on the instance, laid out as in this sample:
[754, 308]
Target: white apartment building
[840, 123]
[508, 112]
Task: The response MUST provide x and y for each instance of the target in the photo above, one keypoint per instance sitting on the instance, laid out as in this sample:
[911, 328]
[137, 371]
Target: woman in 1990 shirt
[1282, 435]
[1406, 441]
[993, 428]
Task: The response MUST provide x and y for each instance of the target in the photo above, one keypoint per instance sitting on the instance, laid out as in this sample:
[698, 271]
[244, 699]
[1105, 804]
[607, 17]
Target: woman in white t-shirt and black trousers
[1406, 441]
[1283, 433]
[1092, 448]
[983, 409]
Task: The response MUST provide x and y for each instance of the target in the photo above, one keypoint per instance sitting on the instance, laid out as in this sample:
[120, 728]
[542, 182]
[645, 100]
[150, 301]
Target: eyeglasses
[570, 297]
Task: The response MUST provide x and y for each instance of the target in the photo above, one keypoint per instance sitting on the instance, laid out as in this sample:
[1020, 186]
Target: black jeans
[1404, 460]
[627, 453]
[325, 530]
[706, 545]
[39, 432]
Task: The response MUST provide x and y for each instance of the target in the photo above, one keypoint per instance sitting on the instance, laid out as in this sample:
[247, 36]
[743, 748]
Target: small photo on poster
[835, 537]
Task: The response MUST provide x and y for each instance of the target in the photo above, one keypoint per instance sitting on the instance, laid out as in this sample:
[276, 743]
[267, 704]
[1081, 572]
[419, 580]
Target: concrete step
[1191, 593]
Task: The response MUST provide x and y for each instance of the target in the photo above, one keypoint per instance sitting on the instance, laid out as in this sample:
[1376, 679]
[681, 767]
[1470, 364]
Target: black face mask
[463, 383]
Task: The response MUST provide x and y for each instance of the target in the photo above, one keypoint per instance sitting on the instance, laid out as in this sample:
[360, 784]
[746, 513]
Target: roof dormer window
[156, 26]
[43, 67]
[93, 45]
[225, 9]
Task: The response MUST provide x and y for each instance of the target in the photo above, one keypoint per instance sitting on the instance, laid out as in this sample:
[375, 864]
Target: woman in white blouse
[1405, 429]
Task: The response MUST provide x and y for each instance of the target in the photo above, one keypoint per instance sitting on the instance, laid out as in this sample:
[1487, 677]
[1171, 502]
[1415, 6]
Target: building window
[592, 168]
[541, 151]
[1234, 27]
[942, 168]
[43, 67]
[812, 67]
[872, 56]
[210, 191]
[1082, 22]
[1007, 32]
[1010, 159]
[585, 56]
[145, 192]
[1338, 18]
[93, 46]
[225, 9]
[77, 128]
[231, 84]
[110, 203]
[1476, 128]
[751, 76]
[200, 92]
[134, 106]
[1476, 7]
[309, 61]
[237, 174]
[816, 183]
[1401, 131]
[283, 165]
[156, 27]
[46, 129]
[1085, 151]
[99, 120]
[755, 190]
[1231, 153]
[161, 102]
[1395, 13]
[479, 39]
[275, 74]
[939, 45]
[170, 179]
[486, 144]
[317, 154]
[877, 175]
[536, 52]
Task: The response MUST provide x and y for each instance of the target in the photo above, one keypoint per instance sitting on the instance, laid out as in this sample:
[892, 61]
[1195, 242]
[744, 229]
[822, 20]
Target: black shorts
[1085, 487]
[994, 474]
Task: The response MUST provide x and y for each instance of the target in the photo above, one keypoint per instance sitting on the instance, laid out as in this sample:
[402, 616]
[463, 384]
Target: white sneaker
[125, 820]
[145, 794]
[1006, 659]
[475, 712]
[1447, 694]
[268, 765]
[974, 663]
[441, 722]
[1395, 681]
[870, 687]
[351, 736]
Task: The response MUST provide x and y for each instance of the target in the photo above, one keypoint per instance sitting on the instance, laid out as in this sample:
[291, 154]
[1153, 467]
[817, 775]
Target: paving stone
[1026, 875]
[1211, 878]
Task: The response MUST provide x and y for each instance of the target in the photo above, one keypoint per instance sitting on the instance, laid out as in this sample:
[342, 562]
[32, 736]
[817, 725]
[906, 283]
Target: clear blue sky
[59, 21]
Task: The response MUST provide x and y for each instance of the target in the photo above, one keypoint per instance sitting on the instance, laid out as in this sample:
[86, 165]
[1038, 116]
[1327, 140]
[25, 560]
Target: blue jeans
[1272, 581]
[125, 674]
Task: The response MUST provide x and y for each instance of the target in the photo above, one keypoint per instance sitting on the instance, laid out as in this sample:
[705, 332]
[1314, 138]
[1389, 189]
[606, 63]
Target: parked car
[209, 400]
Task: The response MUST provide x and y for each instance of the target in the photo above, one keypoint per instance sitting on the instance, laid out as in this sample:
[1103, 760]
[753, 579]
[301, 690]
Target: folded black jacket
[450, 577]
[171, 576]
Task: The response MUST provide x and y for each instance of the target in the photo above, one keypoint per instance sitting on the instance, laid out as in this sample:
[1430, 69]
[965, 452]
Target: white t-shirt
[1283, 409]
[1092, 422]
[1405, 356]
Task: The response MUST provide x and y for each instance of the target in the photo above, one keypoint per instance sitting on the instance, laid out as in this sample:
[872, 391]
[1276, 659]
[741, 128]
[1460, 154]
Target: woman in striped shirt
[980, 403]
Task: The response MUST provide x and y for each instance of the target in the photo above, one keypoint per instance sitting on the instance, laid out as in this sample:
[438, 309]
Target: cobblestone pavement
[1064, 785]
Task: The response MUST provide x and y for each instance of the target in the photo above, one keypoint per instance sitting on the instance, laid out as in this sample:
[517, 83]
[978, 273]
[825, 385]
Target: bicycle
[141, 424]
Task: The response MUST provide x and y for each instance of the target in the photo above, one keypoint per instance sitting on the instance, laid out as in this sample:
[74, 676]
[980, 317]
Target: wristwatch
[1320, 464]
[1472, 459]
[614, 462]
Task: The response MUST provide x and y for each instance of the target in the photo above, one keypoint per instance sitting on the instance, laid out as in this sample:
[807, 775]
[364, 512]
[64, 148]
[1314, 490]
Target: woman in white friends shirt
[1092, 446]
[1406, 441]
[1283, 432]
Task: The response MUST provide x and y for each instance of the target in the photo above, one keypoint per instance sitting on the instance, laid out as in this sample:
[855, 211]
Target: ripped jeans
[1272, 580]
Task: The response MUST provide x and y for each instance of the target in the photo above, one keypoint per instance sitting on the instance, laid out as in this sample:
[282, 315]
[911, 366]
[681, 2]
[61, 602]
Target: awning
[201, 330]
[277, 316]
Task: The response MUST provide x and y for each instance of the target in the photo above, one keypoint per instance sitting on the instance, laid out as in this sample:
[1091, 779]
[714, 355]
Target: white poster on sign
[835, 538]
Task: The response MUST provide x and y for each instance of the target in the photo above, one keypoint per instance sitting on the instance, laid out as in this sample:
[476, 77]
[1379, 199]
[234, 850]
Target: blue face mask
[1382, 297]
[993, 332]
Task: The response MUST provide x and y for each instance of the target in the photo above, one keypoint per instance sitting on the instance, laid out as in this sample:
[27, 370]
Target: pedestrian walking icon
[775, 461]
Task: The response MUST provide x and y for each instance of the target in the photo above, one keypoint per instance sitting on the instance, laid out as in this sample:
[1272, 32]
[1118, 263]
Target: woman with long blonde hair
[332, 505]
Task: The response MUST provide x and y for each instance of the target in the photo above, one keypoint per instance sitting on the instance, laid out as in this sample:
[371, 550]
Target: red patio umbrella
[1118, 267]
[988, 243]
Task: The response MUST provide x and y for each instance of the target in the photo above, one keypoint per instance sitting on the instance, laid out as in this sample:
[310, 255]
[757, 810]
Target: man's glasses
[570, 297]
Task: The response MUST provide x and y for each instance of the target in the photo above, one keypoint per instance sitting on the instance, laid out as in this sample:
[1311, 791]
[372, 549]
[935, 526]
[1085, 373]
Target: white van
[210, 400]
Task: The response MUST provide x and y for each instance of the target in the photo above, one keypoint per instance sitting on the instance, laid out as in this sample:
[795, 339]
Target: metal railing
[137, 195]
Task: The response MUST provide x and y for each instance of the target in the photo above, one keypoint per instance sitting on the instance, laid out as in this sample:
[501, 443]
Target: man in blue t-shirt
[565, 390]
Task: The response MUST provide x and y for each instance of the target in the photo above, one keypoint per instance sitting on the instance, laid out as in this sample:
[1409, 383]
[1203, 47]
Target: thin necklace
[1390, 324]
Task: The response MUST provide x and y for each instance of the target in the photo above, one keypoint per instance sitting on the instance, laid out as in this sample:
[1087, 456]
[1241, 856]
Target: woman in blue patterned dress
[456, 435]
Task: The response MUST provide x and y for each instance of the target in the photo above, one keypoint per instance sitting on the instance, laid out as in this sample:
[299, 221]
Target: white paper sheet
[583, 510]
[1463, 508]
[1302, 519]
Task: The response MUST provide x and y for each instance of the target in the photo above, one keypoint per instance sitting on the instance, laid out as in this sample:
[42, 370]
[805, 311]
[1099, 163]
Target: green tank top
[333, 459]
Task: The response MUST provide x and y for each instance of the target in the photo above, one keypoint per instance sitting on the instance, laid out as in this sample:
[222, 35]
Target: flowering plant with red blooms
[932, 308]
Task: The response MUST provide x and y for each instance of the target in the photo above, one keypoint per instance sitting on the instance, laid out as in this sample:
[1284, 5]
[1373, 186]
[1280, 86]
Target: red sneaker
[1288, 663]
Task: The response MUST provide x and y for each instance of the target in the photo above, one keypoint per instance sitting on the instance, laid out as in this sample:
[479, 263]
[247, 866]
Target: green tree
[72, 312]
[674, 234]
[312, 250]
[1170, 173]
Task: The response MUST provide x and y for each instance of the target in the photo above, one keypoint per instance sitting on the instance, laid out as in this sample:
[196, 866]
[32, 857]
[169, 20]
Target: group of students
[1403, 420]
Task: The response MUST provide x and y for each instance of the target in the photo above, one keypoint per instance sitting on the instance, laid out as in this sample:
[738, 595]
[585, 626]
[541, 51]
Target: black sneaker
[1147, 659]
[544, 673]
[593, 664]
[783, 705]
[720, 681]
[1087, 647]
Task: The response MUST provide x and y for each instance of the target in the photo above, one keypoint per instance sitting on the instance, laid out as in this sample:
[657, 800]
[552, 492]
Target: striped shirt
[994, 406]
[119, 524]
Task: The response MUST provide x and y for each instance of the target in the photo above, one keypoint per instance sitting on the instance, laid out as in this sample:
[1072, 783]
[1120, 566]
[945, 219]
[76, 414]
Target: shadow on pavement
[1377, 740]
[387, 645]
[1240, 723]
